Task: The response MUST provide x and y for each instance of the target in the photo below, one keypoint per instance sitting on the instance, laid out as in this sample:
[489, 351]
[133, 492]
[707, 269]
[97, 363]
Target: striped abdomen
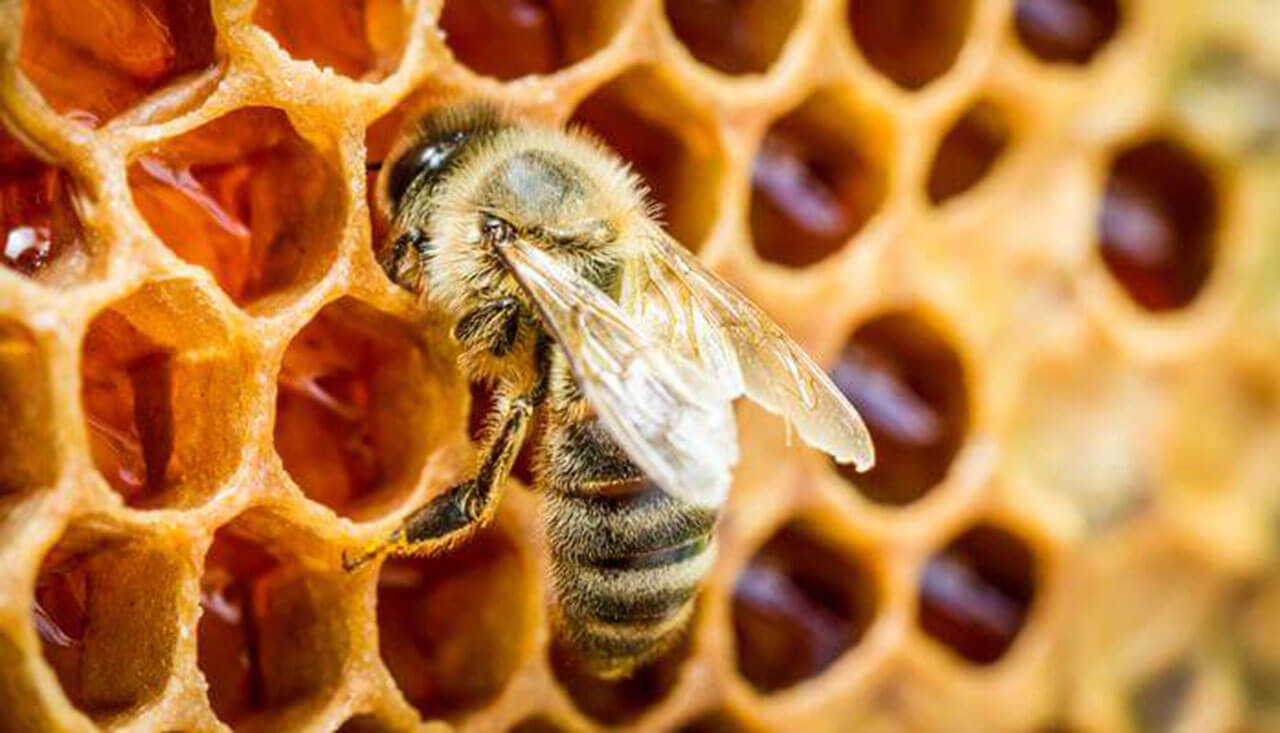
[627, 559]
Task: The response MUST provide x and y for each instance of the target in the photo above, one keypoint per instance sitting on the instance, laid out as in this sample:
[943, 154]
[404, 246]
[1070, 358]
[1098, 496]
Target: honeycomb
[1034, 241]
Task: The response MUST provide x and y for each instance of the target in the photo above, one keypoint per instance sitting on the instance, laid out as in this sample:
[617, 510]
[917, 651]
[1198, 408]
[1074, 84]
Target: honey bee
[540, 248]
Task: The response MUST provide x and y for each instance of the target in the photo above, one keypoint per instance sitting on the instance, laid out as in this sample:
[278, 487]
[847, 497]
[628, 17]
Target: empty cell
[1158, 224]
[107, 612]
[669, 141]
[975, 594]
[798, 606]
[92, 60]
[163, 413]
[40, 232]
[1066, 31]
[452, 627]
[733, 36]
[361, 39]
[817, 179]
[508, 39]
[271, 630]
[912, 42]
[358, 408]
[968, 151]
[909, 384]
[28, 455]
[246, 198]
[618, 701]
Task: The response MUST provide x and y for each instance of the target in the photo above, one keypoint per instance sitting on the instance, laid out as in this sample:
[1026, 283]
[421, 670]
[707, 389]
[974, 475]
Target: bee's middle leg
[462, 507]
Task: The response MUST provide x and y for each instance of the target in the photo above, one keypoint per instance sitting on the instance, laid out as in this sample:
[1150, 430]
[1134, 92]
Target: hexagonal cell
[107, 612]
[272, 630]
[28, 456]
[40, 232]
[246, 198]
[452, 628]
[734, 36]
[1066, 31]
[669, 141]
[968, 151]
[163, 404]
[819, 176]
[508, 39]
[909, 383]
[617, 701]
[976, 593]
[912, 42]
[361, 39]
[798, 606]
[91, 61]
[359, 408]
[1158, 223]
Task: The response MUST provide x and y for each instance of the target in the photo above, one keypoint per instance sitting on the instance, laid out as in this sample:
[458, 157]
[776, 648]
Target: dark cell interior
[365, 723]
[27, 447]
[452, 627]
[270, 633]
[361, 39]
[716, 722]
[797, 607]
[107, 620]
[246, 198]
[909, 385]
[638, 117]
[92, 60]
[815, 183]
[976, 593]
[1156, 231]
[508, 39]
[733, 36]
[912, 42]
[617, 701]
[1159, 701]
[40, 232]
[536, 724]
[968, 151]
[1066, 31]
[128, 402]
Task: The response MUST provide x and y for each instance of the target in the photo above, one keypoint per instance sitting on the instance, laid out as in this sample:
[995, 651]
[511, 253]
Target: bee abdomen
[626, 569]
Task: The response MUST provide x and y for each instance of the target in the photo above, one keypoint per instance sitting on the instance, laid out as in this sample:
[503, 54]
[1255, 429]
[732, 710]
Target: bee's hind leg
[464, 506]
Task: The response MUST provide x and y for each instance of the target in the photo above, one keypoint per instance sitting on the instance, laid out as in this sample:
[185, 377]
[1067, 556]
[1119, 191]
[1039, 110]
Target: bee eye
[495, 230]
[430, 157]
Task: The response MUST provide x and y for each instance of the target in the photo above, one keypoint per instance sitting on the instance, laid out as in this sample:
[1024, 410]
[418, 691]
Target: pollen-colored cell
[733, 36]
[508, 39]
[968, 152]
[664, 138]
[451, 627]
[92, 60]
[1066, 31]
[246, 198]
[147, 391]
[909, 385]
[269, 633]
[1158, 224]
[355, 408]
[815, 181]
[976, 593]
[912, 42]
[361, 39]
[106, 613]
[798, 606]
[40, 232]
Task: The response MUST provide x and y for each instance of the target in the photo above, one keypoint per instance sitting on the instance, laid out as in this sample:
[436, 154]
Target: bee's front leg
[464, 506]
[495, 325]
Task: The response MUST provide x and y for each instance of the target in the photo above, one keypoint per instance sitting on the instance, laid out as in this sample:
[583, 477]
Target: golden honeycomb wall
[1033, 240]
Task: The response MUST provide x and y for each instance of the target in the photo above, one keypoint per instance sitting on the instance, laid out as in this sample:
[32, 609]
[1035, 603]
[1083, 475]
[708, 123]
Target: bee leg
[463, 506]
[396, 261]
[495, 324]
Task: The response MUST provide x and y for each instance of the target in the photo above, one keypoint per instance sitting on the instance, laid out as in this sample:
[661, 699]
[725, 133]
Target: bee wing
[668, 417]
[716, 327]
